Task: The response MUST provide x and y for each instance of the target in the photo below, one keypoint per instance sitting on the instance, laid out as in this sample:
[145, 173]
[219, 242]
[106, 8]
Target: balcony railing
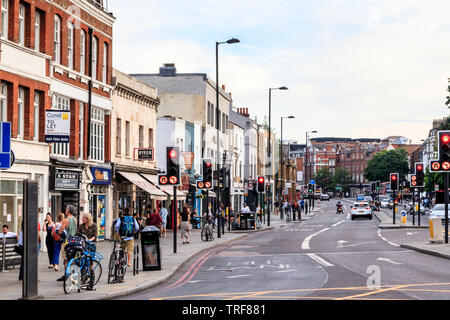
[101, 4]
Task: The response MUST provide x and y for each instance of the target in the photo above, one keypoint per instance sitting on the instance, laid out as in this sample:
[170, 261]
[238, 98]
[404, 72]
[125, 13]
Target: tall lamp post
[306, 168]
[269, 149]
[281, 162]
[231, 41]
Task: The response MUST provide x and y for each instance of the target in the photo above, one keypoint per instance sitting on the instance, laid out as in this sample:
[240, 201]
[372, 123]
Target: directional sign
[6, 158]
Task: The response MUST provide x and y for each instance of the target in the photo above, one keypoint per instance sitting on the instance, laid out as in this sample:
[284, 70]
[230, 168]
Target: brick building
[45, 50]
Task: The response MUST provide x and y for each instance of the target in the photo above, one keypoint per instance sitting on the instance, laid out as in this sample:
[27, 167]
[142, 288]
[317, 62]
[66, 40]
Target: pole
[418, 203]
[414, 207]
[281, 168]
[393, 207]
[218, 141]
[446, 205]
[270, 156]
[175, 227]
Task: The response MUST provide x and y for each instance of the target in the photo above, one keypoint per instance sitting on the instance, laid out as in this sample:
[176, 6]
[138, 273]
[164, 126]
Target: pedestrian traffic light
[173, 166]
[261, 185]
[310, 188]
[420, 174]
[394, 181]
[207, 173]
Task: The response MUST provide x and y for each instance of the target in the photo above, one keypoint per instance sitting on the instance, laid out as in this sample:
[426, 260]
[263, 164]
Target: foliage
[386, 162]
[327, 180]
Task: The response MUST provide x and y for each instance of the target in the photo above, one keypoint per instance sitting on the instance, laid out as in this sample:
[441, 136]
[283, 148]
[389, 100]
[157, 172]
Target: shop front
[98, 197]
[65, 187]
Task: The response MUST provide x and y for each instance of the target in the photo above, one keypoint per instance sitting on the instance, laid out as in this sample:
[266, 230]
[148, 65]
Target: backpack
[126, 226]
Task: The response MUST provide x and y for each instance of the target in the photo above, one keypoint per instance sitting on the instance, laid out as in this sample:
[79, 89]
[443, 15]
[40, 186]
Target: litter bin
[151, 253]
[247, 220]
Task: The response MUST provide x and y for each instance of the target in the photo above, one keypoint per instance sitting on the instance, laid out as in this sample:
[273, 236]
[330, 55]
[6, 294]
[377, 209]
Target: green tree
[324, 179]
[386, 162]
[327, 180]
[342, 177]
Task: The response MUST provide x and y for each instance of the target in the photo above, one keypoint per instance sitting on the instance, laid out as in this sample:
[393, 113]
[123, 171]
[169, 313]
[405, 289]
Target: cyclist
[127, 226]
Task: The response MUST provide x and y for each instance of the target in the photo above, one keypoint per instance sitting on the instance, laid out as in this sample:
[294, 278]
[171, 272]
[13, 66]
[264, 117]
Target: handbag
[18, 249]
[56, 235]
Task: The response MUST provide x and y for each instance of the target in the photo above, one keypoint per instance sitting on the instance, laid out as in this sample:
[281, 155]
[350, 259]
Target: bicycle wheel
[204, 234]
[122, 266]
[72, 275]
[96, 271]
[111, 268]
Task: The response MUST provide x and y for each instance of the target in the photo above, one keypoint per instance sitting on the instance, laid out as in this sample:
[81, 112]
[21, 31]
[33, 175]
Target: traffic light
[414, 182]
[372, 185]
[200, 185]
[419, 174]
[444, 147]
[261, 185]
[173, 166]
[394, 181]
[207, 173]
[310, 188]
[378, 186]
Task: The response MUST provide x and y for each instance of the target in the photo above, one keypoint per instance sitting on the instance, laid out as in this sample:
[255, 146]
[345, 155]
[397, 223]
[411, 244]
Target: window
[97, 134]
[119, 136]
[127, 138]
[83, 52]
[37, 30]
[21, 113]
[150, 138]
[70, 43]
[141, 137]
[57, 40]
[22, 24]
[36, 116]
[223, 122]
[4, 23]
[81, 131]
[4, 102]
[208, 113]
[94, 57]
[105, 63]
[212, 115]
[60, 103]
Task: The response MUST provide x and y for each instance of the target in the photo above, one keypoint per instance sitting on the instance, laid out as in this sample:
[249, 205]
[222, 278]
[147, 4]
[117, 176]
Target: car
[368, 198]
[384, 202]
[330, 194]
[361, 209]
[324, 197]
[409, 208]
[438, 211]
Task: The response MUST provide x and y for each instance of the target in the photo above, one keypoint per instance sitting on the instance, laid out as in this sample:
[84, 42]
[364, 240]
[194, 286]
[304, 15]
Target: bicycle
[118, 263]
[84, 270]
[207, 233]
[288, 216]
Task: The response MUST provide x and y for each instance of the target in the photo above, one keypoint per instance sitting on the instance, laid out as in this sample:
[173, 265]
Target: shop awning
[181, 195]
[139, 181]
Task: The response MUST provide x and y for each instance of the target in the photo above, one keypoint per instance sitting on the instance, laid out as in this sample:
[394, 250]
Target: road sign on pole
[5, 146]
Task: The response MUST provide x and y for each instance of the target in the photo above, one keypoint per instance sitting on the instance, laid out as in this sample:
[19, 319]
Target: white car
[361, 209]
[438, 211]
[384, 202]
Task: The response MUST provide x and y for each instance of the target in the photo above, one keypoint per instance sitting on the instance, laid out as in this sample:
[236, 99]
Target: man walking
[68, 229]
[127, 226]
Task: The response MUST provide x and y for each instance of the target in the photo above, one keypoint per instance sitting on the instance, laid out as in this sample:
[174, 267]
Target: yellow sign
[65, 116]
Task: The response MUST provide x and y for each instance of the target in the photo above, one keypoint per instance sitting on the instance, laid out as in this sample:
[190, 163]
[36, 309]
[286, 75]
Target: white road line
[336, 224]
[240, 276]
[283, 271]
[305, 244]
[386, 240]
[319, 260]
[388, 260]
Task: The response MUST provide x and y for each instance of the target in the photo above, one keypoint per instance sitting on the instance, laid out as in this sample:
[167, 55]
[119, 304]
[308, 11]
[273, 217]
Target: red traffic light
[261, 180]
[208, 164]
[445, 138]
[394, 178]
[419, 167]
[172, 153]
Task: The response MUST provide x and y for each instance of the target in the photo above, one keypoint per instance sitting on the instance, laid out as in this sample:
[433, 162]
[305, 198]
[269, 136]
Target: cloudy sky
[354, 68]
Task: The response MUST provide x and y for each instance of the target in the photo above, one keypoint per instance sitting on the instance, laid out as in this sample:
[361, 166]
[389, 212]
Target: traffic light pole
[418, 203]
[393, 207]
[414, 206]
[446, 205]
[175, 220]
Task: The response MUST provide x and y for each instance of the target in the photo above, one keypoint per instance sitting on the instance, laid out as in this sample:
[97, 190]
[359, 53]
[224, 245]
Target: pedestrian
[163, 213]
[49, 241]
[6, 233]
[88, 228]
[245, 209]
[127, 226]
[185, 226]
[156, 220]
[302, 205]
[68, 229]
[57, 243]
[306, 207]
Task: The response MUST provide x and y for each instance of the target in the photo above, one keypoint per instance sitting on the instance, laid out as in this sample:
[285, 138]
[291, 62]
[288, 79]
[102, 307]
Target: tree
[324, 179]
[327, 180]
[386, 162]
[342, 177]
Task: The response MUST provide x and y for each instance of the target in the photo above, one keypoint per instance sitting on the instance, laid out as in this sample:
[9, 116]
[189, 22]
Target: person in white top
[245, 209]
[6, 234]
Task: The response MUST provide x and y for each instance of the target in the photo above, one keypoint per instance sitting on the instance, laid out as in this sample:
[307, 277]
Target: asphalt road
[327, 256]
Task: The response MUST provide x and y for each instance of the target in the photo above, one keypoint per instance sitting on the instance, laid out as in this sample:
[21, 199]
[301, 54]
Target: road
[327, 256]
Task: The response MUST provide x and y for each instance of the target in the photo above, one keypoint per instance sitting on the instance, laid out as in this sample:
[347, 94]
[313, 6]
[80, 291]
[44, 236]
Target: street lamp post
[306, 166]
[231, 41]
[269, 149]
[281, 162]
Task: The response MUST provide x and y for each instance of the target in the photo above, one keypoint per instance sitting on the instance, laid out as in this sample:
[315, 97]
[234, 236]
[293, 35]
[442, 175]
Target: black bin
[247, 220]
[151, 253]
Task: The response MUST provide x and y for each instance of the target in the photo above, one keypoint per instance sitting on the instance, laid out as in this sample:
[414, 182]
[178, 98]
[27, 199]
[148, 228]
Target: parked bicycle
[117, 264]
[84, 268]
[207, 232]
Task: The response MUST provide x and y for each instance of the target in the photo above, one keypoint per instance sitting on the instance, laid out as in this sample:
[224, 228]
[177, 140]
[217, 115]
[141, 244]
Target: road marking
[239, 276]
[336, 224]
[283, 271]
[319, 260]
[341, 243]
[305, 244]
[390, 242]
[388, 260]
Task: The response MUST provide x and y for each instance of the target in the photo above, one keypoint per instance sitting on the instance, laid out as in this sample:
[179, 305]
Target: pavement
[50, 289]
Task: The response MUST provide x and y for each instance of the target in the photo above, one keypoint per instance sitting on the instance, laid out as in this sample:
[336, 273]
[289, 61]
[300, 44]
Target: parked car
[324, 197]
[438, 211]
[361, 209]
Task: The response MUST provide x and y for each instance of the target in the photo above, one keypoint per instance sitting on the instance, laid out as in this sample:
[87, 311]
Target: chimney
[168, 70]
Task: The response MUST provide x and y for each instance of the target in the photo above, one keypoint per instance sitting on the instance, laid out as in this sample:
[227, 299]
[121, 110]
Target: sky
[354, 68]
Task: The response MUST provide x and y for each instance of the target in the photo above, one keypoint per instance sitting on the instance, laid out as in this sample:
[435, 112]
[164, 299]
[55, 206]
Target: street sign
[57, 126]
[144, 154]
[404, 217]
[6, 158]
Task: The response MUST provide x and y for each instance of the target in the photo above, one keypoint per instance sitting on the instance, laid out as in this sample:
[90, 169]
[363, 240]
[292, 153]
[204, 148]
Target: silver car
[438, 211]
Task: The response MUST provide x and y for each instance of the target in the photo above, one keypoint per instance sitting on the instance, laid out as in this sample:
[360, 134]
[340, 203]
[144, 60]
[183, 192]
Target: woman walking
[185, 227]
[49, 241]
[57, 245]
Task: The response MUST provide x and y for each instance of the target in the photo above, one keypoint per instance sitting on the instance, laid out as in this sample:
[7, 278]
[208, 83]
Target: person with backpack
[126, 226]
